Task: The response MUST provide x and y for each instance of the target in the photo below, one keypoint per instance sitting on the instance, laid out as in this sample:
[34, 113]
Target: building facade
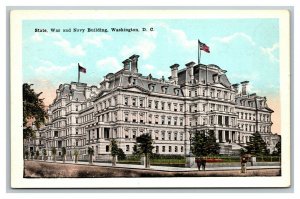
[198, 98]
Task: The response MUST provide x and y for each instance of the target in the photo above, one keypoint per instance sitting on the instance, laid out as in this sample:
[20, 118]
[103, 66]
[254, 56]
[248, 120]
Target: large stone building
[197, 98]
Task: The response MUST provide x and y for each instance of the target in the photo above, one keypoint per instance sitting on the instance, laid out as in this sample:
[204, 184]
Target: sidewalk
[164, 168]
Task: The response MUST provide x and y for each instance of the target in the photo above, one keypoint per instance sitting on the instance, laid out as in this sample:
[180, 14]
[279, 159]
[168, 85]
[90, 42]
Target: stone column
[217, 136]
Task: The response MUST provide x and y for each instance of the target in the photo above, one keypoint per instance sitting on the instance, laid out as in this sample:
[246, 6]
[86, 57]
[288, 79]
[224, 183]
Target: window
[127, 147]
[162, 106]
[134, 134]
[181, 108]
[220, 120]
[226, 108]
[175, 121]
[163, 135]
[107, 148]
[181, 149]
[162, 120]
[157, 149]
[169, 106]
[176, 149]
[170, 148]
[190, 93]
[175, 107]
[163, 149]
[141, 103]
[169, 135]
[134, 102]
[156, 104]
[226, 120]
[149, 103]
[106, 133]
[126, 101]
[76, 143]
[175, 136]
[55, 133]
[169, 121]
[181, 136]
[181, 122]
[126, 117]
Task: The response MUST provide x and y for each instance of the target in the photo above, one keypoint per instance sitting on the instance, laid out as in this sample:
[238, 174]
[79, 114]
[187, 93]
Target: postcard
[150, 98]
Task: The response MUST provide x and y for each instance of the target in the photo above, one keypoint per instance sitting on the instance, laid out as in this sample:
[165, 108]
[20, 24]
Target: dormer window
[133, 81]
[151, 87]
[164, 89]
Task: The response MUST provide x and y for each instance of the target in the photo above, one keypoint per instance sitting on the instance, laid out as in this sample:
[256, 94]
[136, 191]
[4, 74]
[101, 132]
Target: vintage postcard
[150, 98]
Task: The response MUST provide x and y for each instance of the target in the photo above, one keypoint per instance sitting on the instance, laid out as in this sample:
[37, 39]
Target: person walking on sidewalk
[243, 164]
[198, 163]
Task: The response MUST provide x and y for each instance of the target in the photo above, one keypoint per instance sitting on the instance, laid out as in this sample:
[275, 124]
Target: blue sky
[247, 48]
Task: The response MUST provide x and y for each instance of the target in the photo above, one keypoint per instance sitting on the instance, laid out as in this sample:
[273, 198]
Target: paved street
[164, 168]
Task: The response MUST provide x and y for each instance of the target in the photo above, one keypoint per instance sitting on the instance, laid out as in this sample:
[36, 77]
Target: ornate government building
[197, 98]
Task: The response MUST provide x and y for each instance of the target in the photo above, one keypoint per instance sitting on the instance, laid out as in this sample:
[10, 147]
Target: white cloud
[47, 67]
[148, 67]
[234, 36]
[270, 52]
[66, 45]
[96, 40]
[144, 47]
[36, 37]
[109, 62]
[182, 39]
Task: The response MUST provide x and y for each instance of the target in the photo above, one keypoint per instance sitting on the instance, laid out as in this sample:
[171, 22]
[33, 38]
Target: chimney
[87, 93]
[236, 87]
[126, 64]
[134, 63]
[190, 72]
[174, 72]
[244, 87]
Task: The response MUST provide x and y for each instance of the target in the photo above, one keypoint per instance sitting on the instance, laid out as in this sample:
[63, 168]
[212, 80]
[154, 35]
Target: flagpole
[78, 73]
[199, 53]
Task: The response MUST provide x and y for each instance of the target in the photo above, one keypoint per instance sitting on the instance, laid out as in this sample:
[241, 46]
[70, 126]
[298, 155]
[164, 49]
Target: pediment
[219, 85]
[136, 89]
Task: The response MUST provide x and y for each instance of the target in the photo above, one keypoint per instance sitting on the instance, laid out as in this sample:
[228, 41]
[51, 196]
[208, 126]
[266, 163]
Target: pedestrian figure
[203, 163]
[243, 164]
[198, 163]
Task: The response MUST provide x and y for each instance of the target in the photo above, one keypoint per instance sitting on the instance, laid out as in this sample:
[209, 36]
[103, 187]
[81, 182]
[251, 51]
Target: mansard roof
[200, 75]
[249, 102]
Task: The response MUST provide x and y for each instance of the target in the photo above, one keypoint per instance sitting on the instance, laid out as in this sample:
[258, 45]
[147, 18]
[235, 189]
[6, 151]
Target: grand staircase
[230, 148]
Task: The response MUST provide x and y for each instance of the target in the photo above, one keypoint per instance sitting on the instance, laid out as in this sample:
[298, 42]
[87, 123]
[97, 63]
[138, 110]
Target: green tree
[44, 154]
[121, 154]
[76, 153]
[91, 153]
[26, 154]
[63, 153]
[32, 154]
[114, 150]
[37, 154]
[145, 146]
[204, 145]
[33, 110]
[53, 152]
[257, 145]
[278, 147]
